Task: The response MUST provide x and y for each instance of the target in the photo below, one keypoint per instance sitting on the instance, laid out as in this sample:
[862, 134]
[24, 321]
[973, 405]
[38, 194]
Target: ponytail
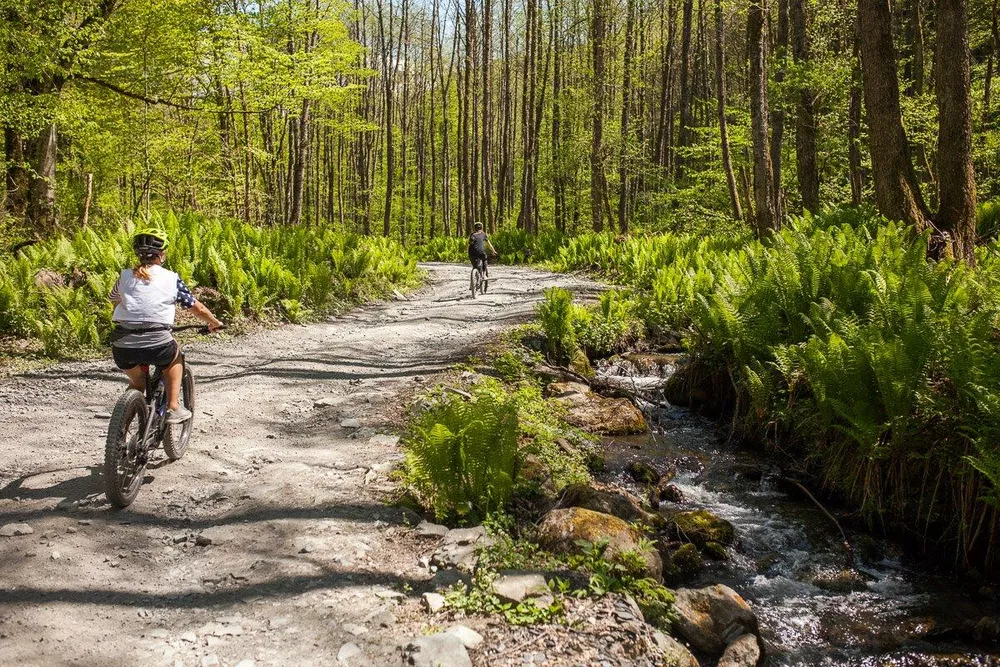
[141, 271]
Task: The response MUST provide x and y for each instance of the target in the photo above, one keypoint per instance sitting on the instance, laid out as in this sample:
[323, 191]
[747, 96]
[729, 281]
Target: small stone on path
[350, 423]
[469, 637]
[435, 650]
[15, 530]
[428, 529]
[354, 629]
[434, 601]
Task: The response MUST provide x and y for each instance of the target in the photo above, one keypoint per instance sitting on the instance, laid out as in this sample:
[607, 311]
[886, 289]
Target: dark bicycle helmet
[149, 241]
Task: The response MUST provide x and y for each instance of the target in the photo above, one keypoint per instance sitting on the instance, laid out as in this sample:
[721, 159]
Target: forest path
[297, 555]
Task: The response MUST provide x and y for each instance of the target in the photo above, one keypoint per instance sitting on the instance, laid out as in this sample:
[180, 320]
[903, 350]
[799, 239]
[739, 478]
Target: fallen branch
[847, 545]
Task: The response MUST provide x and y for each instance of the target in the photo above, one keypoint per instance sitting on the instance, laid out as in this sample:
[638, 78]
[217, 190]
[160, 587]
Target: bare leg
[172, 377]
[136, 378]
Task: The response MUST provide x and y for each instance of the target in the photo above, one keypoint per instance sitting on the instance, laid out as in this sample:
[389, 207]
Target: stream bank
[788, 559]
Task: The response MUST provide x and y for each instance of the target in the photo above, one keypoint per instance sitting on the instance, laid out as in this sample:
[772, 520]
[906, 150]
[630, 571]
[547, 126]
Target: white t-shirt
[151, 302]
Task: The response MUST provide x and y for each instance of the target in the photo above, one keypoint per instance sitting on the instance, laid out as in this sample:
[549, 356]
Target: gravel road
[269, 540]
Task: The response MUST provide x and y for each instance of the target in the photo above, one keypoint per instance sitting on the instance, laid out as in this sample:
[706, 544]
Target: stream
[789, 561]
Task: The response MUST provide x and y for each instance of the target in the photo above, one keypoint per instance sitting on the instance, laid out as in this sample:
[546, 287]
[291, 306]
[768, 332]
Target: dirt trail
[297, 555]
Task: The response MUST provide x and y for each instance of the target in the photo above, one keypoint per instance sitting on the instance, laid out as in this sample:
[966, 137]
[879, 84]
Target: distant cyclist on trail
[478, 243]
[144, 298]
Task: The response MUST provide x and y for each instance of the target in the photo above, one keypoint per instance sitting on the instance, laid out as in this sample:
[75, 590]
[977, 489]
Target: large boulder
[444, 648]
[608, 500]
[712, 618]
[701, 526]
[744, 652]
[562, 529]
[595, 413]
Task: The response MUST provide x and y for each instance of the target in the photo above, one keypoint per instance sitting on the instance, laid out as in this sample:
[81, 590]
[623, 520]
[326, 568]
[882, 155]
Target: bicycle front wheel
[125, 453]
[176, 436]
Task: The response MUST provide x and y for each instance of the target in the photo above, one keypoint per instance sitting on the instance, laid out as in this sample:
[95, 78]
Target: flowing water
[789, 561]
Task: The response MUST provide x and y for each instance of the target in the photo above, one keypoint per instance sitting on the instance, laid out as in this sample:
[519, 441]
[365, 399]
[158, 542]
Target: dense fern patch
[843, 342]
[56, 291]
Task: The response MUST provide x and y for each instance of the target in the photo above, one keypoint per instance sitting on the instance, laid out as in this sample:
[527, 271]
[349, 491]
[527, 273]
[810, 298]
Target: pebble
[354, 629]
[55, 555]
[210, 661]
[348, 653]
[350, 423]
[469, 637]
[15, 529]
[434, 601]
[189, 637]
[246, 663]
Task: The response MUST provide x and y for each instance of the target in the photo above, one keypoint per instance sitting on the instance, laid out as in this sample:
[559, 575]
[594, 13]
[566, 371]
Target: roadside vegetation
[55, 292]
[496, 450]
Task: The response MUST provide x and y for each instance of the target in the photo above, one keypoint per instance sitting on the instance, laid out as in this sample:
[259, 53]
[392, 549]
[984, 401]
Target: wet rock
[595, 413]
[608, 500]
[711, 618]
[643, 473]
[744, 652]
[469, 637]
[15, 530]
[516, 586]
[562, 529]
[684, 563]
[672, 652]
[434, 602]
[715, 551]
[840, 581]
[671, 493]
[437, 650]
[701, 527]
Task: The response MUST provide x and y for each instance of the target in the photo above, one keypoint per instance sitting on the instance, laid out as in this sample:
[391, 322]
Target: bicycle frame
[156, 404]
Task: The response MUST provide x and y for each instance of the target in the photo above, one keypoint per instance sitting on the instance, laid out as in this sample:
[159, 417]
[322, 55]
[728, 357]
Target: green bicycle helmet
[150, 241]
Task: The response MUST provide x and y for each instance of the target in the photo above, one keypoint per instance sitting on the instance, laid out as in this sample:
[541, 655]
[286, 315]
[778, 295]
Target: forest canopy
[415, 118]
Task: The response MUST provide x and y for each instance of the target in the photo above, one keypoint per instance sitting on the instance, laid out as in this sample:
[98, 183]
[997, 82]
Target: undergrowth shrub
[843, 342]
[461, 454]
[56, 291]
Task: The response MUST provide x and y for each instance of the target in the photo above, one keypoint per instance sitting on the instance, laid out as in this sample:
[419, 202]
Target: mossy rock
[580, 365]
[609, 500]
[701, 527]
[686, 561]
[643, 473]
[715, 551]
[562, 530]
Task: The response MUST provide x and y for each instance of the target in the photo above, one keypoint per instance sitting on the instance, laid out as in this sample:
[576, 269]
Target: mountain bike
[479, 281]
[138, 425]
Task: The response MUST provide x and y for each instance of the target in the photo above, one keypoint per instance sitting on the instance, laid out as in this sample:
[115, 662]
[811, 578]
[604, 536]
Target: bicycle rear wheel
[125, 454]
[176, 436]
[474, 282]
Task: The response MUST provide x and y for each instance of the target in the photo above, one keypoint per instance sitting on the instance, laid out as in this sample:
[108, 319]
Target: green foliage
[626, 573]
[480, 599]
[557, 314]
[838, 332]
[286, 272]
[609, 328]
[461, 455]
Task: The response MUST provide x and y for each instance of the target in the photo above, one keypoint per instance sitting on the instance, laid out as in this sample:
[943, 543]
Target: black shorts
[160, 356]
[476, 259]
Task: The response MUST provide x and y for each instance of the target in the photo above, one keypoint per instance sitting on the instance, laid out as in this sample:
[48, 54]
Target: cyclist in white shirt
[145, 298]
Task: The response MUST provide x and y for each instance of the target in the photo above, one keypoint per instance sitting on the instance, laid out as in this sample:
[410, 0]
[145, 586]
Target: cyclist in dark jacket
[479, 242]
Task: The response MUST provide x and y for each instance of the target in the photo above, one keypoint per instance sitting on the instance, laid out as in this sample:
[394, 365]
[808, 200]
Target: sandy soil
[297, 554]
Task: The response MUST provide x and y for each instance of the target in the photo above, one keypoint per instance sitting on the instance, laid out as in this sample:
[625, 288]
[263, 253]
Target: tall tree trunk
[805, 117]
[994, 62]
[767, 214]
[913, 68]
[623, 160]
[598, 186]
[897, 191]
[684, 133]
[485, 152]
[720, 91]
[854, 128]
[300, 147]
[777, 117]
[957, 213]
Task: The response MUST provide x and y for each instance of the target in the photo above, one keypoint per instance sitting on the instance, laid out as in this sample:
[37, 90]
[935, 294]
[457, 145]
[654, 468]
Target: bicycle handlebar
[201, 328]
